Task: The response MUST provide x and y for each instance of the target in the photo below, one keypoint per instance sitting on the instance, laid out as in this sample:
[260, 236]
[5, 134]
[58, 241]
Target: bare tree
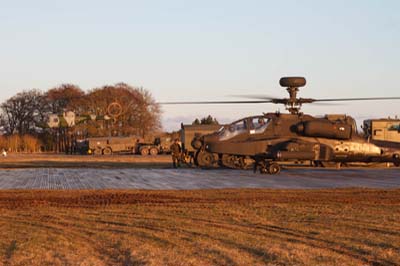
[64, 97]
[139, 114]
[27, 113]
[23, 112]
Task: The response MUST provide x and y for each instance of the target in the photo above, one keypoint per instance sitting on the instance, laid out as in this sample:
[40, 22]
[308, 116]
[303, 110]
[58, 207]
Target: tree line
[209, 120]
[24, 117]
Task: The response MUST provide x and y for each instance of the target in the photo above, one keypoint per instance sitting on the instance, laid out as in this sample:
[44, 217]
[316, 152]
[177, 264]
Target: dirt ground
[44, 160]
[39, 160]
[202, 227]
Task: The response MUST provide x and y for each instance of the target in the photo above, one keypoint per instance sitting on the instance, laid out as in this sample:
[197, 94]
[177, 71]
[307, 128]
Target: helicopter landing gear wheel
[396, 160]
[273, 169]
[206, 159]
[263, 169]
[266, 167]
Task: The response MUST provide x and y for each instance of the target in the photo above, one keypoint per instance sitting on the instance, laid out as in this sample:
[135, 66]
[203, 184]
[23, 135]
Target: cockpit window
[233, 130]
[259, 125]
[254, 125]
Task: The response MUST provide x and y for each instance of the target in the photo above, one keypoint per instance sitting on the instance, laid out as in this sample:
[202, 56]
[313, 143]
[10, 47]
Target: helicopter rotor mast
[292, 84]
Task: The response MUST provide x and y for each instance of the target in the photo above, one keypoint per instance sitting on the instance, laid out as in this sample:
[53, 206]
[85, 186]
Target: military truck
[383, 132]
[188, 133]
[160, 145]
[130, 145]
[110, 145]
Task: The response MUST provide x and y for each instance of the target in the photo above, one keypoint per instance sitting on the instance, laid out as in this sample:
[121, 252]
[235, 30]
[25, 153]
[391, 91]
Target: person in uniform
[176, 153]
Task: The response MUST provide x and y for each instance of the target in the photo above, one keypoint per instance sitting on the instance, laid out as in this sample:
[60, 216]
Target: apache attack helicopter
[273, 139]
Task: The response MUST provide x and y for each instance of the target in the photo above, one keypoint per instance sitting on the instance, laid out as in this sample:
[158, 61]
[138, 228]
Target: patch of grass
[202, 227]
[9, 252]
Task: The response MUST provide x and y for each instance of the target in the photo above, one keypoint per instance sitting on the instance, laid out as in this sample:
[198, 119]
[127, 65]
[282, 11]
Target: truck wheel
[274, 169]
[153, 151]
[107, 151]
[144, 152]
[97, 152]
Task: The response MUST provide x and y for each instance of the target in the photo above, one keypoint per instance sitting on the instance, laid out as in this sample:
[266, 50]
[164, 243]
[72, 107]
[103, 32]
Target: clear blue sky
[206, 50]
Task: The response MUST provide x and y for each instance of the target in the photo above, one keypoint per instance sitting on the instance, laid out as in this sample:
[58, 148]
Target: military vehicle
[158, 146]
[131, 145]
[383, 132]
[189, 133]
[110, 145]
[273, 139]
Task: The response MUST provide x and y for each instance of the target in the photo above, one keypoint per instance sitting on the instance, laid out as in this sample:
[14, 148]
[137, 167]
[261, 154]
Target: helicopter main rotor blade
[326, 103]
[255, 96]
[356, 99]
[215, 102]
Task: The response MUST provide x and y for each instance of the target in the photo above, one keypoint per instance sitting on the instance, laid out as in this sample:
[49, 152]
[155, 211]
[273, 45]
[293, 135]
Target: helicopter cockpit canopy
[251, 125]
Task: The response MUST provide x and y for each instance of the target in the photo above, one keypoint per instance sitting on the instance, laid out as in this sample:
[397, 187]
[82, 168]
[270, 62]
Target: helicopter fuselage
[290, 137]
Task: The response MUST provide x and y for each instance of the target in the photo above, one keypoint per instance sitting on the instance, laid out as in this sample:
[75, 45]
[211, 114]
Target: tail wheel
[107, 151]
[144, 152]
[274, 169]
[153, 151]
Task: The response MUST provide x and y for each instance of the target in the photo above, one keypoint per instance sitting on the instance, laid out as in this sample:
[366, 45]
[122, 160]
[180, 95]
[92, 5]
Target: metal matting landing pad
[84, 178]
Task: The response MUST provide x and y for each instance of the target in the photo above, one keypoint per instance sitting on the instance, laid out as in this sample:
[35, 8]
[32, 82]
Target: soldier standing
[176, 153]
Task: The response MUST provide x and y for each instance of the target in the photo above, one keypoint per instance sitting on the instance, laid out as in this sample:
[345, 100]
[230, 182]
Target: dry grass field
[39, 160]
[200, 227]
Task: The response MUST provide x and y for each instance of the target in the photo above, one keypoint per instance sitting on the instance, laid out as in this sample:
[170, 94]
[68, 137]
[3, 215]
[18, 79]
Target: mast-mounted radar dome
[292, 82]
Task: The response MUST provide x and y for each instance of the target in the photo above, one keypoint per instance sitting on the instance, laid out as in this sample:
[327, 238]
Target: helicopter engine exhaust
[325, 129]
